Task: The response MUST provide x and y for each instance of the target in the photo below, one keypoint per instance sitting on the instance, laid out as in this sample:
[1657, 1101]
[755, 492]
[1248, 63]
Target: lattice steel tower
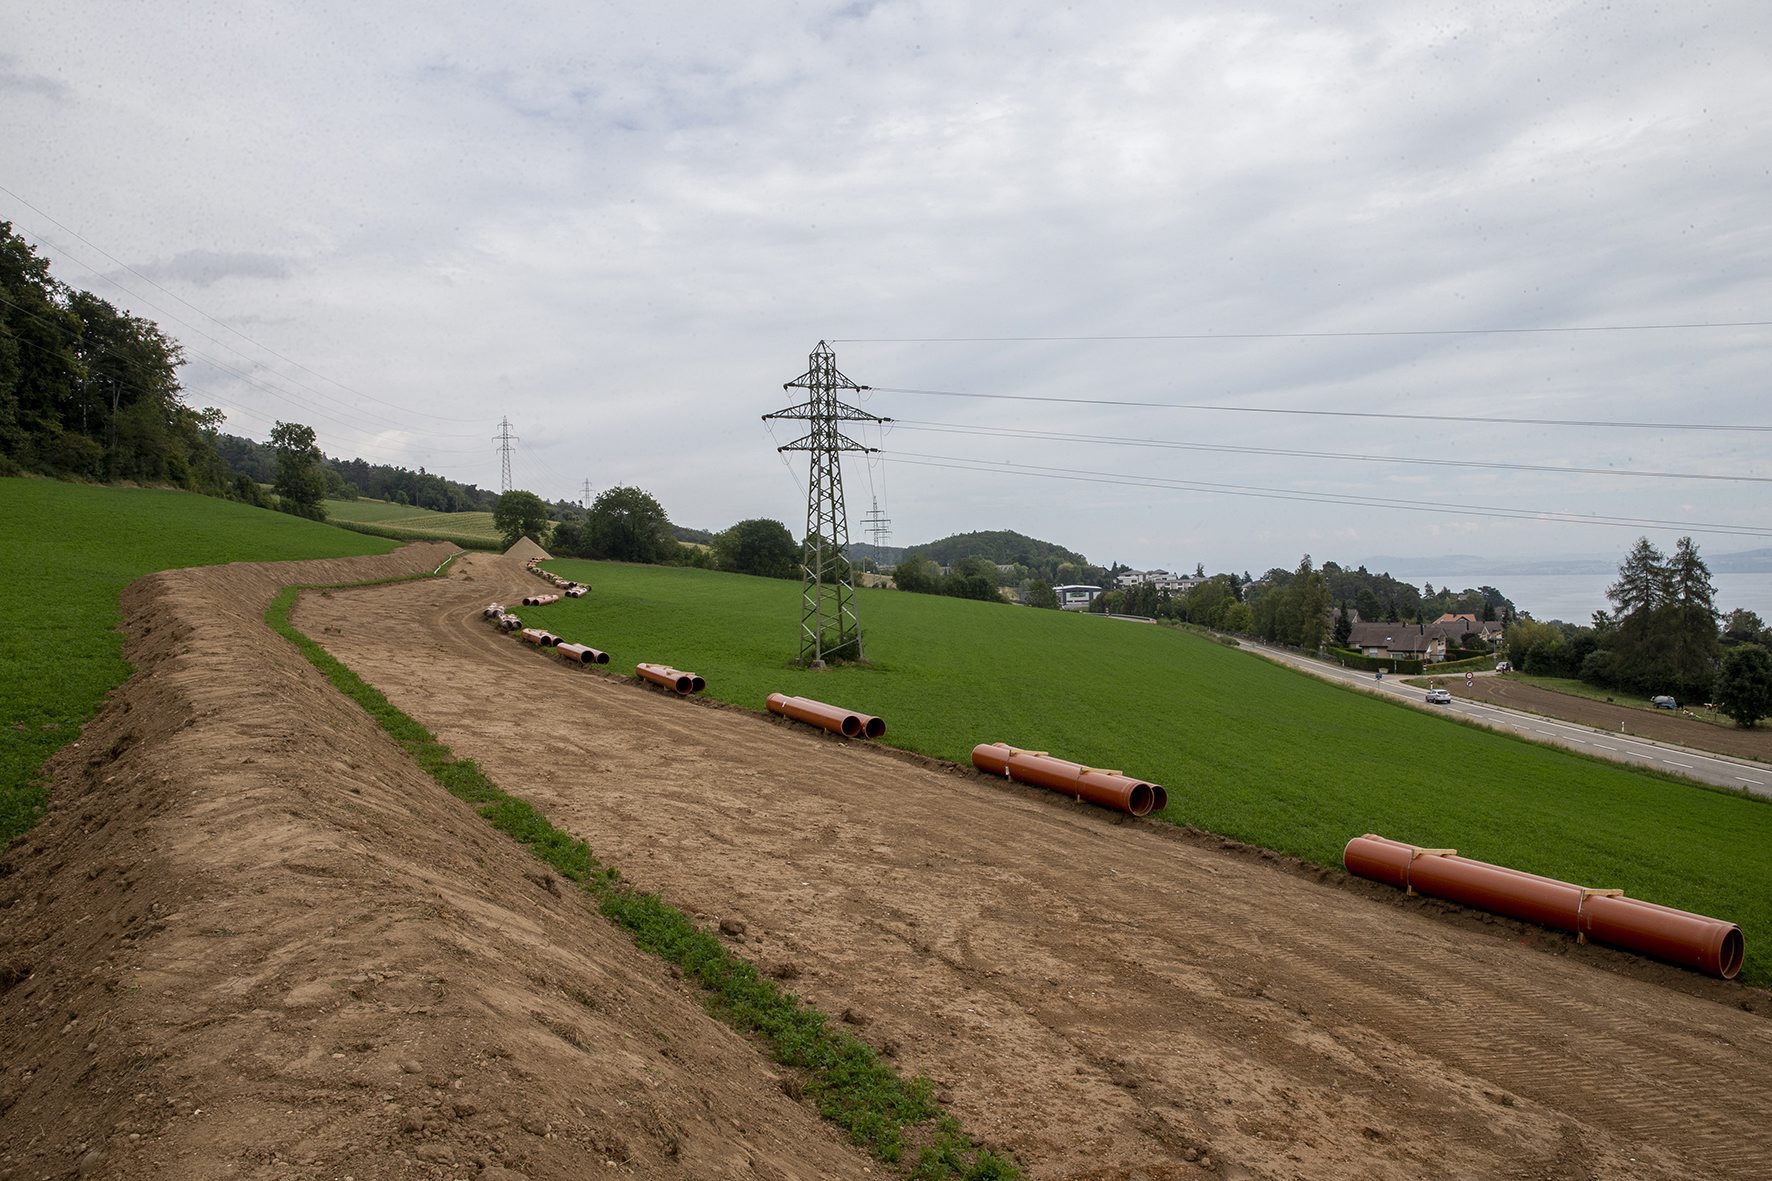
[829, 627]
[504, 439]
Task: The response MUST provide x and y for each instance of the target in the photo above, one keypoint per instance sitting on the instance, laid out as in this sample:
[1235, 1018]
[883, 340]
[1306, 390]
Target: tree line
[90, 392]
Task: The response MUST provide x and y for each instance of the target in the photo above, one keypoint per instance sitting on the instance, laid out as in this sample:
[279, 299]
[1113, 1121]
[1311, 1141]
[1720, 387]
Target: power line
[309, 409]
[1494, 421]
[962, 463]
[1350, 334]
[214, 319]
[1064, 437]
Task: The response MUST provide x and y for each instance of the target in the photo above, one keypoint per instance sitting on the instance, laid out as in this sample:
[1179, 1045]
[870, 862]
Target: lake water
[1574, 598]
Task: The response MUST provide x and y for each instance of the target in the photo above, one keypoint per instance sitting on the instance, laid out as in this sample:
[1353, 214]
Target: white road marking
[1671, 763]
[1745, 779]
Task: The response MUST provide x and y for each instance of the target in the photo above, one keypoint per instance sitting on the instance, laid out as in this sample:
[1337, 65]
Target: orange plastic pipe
[536, 635]
[833, 718]
[1693, 941]
[582, 653]
[670, 678]
[1110, 789]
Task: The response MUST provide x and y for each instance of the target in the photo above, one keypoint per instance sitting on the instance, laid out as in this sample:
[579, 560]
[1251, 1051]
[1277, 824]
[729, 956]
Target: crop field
[1246, 749]
[406, 523]
[70, 549]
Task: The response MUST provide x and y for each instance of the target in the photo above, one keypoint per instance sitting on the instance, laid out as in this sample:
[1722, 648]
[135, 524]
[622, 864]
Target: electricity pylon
[878, 526]
[829, 627]
[504, 439]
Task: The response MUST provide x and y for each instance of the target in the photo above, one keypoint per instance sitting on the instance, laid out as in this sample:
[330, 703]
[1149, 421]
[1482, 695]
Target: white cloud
[626, 229]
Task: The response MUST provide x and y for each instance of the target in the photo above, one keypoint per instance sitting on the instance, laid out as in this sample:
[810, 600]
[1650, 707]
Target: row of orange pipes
[837, 720]
[1694, 941]
[1680, 937]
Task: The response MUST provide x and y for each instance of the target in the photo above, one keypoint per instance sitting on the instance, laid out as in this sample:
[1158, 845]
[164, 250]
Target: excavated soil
[1660, 725]
[252, 941]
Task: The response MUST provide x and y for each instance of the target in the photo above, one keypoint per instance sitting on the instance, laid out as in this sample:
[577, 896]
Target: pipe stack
[581, 654]
[493, 611]
[540, 600]
[1694, 941]
[536, 635]
[846, 722]
[670, 678]
[1110, 789]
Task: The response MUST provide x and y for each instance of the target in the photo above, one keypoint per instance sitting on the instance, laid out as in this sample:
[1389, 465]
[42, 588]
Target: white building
[1076, 596]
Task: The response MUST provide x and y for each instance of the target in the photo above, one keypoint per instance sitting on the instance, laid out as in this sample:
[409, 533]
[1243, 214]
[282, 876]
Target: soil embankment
[1104, 998]
[252, 940]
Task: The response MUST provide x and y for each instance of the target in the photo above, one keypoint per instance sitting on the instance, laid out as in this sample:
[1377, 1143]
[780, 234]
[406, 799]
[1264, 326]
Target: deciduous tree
[628, 525]
[301, 484]
[520, 514]
[1744, 685]
[758, 546]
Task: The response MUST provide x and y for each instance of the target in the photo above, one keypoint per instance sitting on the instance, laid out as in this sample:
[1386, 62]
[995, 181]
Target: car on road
[1664, 703]
[1501, 666]
[1439, 697]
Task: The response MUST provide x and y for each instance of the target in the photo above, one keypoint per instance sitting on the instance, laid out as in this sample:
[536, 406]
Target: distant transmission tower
[504, 439]
[829, 628]
[879, 527]
[584, 499]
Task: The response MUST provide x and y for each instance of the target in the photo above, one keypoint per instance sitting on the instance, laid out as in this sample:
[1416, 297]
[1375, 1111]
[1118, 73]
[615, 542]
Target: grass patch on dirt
[403, 522]
[1578, 688]
[70, 550]
[895, 1119]
[1248, 749]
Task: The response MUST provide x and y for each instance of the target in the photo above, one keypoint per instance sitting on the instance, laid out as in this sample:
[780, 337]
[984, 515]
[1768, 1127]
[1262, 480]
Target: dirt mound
[526, 549]
[252, 940]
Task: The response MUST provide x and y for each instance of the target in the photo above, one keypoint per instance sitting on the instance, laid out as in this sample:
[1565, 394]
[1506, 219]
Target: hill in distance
[1756, 561]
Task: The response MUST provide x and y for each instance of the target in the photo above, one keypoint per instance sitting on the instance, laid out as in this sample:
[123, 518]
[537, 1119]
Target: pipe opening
[1159, 798]
[1139, 802]
[1729, 960]
[697, 684]
[684, 683]
[596, 657]
[874, 728]
[851, 726]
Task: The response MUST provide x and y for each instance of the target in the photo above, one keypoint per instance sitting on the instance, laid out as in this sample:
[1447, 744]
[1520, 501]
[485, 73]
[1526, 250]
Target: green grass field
[405, 523]
[1246, 748]
[69, 549]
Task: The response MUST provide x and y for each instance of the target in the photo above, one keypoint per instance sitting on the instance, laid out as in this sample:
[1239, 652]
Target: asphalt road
[1738, 774]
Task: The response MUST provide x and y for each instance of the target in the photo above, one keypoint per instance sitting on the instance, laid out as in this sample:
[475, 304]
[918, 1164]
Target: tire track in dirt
[252, 940]
[1093, 993]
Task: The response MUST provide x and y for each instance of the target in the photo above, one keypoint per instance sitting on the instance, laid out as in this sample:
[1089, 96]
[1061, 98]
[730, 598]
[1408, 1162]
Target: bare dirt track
[252, 941]
[1101, 997]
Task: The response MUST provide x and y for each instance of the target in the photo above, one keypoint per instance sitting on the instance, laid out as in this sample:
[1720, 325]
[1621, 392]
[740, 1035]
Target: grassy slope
[416, 524]
[69, 549]
[1246, 749]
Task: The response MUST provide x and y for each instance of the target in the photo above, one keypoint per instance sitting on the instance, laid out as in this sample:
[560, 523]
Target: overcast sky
[625, 229]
